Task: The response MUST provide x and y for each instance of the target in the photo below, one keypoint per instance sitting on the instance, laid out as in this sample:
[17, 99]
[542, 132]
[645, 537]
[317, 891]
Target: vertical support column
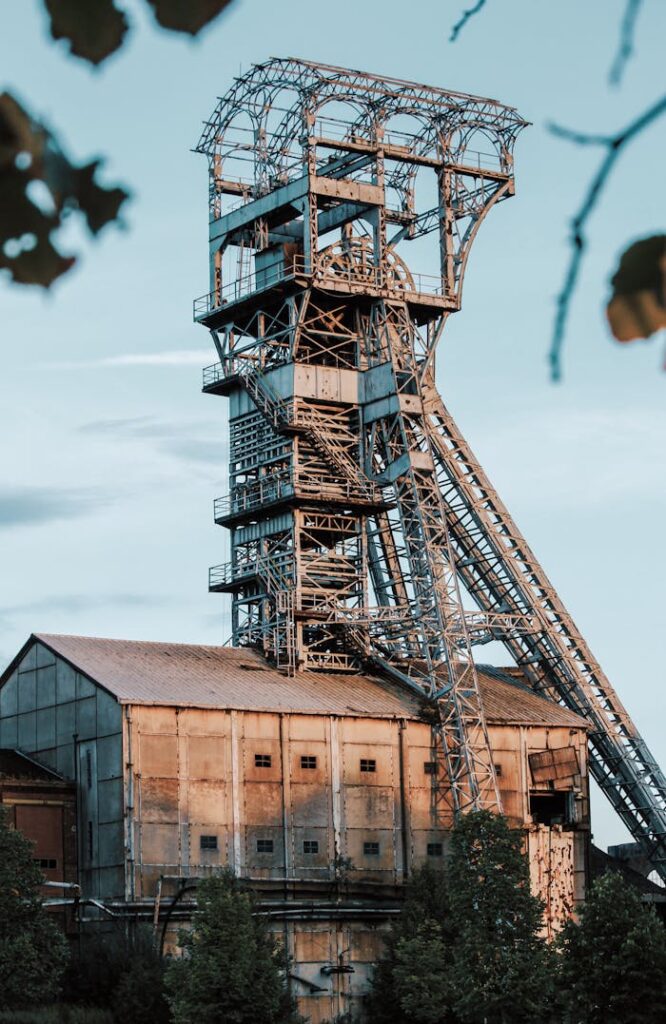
[446, 229]
[236, 768]
[336, 788]
[287, 830]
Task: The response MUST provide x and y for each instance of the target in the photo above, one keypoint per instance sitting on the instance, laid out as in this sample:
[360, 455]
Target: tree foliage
[502, 967]
[614, 962]
[231, 969]
[117, 967]
[417, 957]
[39, 185]
[466, 948]
[33, 951]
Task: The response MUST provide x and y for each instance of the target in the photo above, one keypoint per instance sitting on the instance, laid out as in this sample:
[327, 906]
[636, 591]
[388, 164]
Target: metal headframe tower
[359, 517]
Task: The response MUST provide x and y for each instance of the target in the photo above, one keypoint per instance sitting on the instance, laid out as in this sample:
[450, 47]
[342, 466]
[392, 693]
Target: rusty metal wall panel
[158, 799]
[311, 805]
[158, 755]
[551, 855]
[263, 803]
[369, 807]
[354, 753]
[206, 756]
[160, 847]
[557, 763]
[208, 801]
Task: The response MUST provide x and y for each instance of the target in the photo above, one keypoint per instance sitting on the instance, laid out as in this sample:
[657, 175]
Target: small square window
[208, 842]
[371, 849]
[430, 767]
[310, 846]
[435, 849]
[264, 845]
[368, 764]
[262, 760]
[307, 761]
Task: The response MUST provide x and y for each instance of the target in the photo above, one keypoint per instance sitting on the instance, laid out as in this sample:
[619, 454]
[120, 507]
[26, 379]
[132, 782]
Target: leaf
[637, 308]
[38, 188]
[94, 28]
[187, 15]
[100, 205]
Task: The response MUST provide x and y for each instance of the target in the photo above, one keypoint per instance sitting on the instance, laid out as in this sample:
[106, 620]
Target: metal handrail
[375, 277]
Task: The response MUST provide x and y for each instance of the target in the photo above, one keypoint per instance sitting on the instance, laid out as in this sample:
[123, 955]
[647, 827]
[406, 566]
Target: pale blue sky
[109, 464]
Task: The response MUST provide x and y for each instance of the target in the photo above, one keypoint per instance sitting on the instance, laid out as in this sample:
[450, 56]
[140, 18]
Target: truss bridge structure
[363, 532]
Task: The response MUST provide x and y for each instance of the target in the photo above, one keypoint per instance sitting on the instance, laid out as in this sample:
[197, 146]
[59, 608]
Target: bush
[33, 950]
[121, 970]
[614, 962]
[466, 947]
[231, 970]
[60, 1014]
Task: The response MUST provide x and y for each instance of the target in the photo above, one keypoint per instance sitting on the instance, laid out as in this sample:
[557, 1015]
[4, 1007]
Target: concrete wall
[70, 724]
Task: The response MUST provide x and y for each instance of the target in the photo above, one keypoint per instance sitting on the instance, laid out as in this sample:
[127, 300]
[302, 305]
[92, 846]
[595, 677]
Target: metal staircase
[500, 571]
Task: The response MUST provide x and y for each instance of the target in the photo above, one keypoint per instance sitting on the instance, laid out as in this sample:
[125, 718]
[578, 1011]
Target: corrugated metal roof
[194, 675]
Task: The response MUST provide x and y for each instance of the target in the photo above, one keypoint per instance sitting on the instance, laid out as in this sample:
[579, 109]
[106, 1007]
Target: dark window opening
[498, 770]
[310, 846]
[435, 849]
[307, 761]
[89, 769]
[371, 849]
[430, 767]
[48, 863]
[368, 764]
[550, 808]
[262, 760]
[90, 840]
[264, 845]
[208, 842]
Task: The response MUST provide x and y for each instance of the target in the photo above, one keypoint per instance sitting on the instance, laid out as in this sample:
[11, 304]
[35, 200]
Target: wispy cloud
[190, 440]
[66, 604]
[175, 357]
[32, 506]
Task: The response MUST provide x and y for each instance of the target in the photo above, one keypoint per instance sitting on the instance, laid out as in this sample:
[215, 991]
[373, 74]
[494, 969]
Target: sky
[110, 457]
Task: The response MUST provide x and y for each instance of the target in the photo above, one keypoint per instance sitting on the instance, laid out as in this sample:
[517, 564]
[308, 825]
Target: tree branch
[613, 145]
[464, 18]
[626, 42]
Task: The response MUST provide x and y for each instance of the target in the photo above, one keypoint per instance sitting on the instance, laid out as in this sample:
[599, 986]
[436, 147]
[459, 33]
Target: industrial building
[327, 750]
[320, 790]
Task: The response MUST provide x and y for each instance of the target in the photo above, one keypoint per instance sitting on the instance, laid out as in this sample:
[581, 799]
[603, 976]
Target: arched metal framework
[356, 510]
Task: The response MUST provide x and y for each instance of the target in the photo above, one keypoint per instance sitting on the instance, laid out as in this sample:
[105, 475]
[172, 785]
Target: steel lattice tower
[357, 511]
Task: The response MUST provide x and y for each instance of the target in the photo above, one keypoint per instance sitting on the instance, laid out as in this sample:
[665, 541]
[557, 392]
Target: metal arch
[318, 84]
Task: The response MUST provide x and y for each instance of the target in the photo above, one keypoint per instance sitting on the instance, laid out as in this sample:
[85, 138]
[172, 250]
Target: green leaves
[232, 970]
[467, 946]
[39, 187]
[614, 962]
[33, 951]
